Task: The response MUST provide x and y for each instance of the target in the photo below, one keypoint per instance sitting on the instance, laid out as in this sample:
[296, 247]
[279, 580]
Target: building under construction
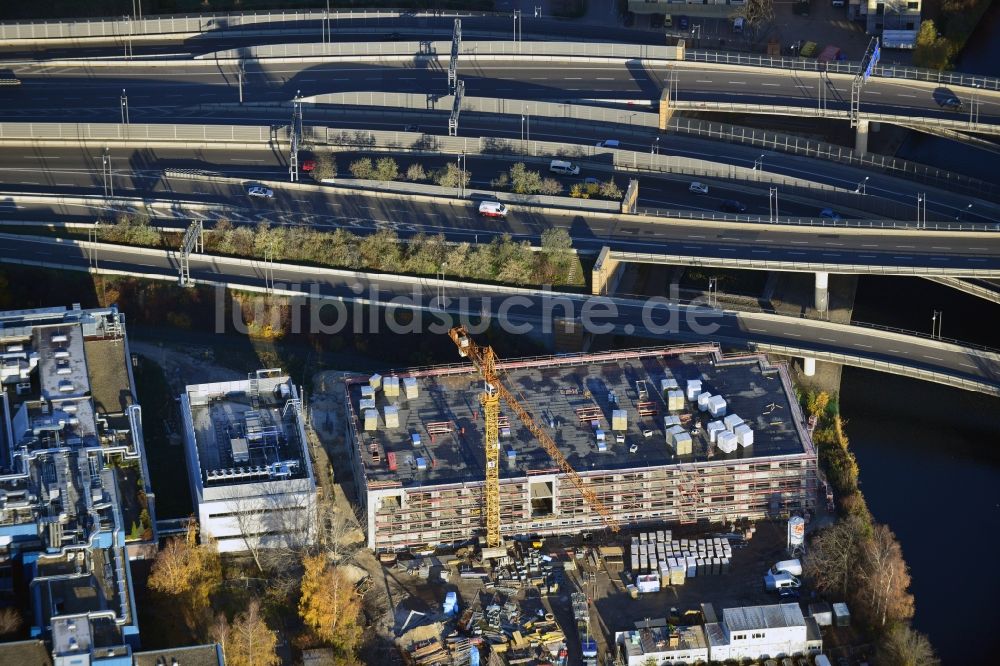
[677, 435]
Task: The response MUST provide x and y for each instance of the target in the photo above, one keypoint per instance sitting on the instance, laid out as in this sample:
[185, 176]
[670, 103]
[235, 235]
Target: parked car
[830, 214]
[260, 192]
[634, 448]
[732, 206]
[492, 209]
[698, 188]
[683, 22]
[564, 168]
[308, 165]
[411, 128]
[609, 143]
[789, 593]
[668, 21]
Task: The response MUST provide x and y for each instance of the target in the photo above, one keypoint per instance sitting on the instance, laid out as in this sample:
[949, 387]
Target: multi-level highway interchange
[184, 115]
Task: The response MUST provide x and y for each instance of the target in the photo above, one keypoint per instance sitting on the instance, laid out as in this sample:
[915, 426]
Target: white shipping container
[667, 384]
[714, 428]
[391, 386]
[410, 387]
[367, 392]
[675, 401]
[619, 419]
[375, 381]
[703, 399]
[367, 403]
[744, 434]
[670, 421]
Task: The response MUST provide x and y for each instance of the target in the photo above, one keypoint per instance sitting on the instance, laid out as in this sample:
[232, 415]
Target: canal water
[930, 466]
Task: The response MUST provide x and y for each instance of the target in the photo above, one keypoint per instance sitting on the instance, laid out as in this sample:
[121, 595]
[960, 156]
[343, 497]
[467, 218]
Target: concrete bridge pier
[607, 273]
[861, 137]
[822, 291]
[808, 366]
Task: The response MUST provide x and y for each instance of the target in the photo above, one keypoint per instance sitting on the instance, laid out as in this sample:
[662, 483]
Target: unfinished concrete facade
[416, 441]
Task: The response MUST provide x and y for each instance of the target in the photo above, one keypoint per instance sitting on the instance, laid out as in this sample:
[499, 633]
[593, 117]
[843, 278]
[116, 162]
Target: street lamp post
[772, 203]
[936, 320]
[963, 212]
[759, 163]
[921, 210]
[862, 187]
[461, 174]
[124, 108]
[713, 292]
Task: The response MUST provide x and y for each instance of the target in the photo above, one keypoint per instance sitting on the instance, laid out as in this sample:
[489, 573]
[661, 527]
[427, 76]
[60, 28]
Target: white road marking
[939, 259]
[827, 339]
[939, 247]
[702, 81]
[935, 358]
[756, 330]
[40, 157]
[761, 251]
[772, 85]
[858, 344]
[737, 83]
[794, 335]
[800, 242]
[968, 365]
[904, 95]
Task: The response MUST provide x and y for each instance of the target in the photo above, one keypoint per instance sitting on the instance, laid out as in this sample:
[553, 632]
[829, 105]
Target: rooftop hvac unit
[59, 337]
[65, 386]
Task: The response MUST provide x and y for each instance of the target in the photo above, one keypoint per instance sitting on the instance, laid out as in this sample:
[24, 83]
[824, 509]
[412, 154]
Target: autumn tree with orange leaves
[330, 607]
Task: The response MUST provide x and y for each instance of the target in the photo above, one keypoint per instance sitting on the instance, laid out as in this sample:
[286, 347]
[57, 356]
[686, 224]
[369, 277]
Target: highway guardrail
[843, 67]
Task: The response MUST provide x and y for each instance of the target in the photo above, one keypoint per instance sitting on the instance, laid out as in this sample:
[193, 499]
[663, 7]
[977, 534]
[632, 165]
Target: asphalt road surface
[638, 317]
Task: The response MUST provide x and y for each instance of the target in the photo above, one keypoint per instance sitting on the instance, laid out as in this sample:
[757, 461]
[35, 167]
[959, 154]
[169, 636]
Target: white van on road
[492, 209]
[564, 168]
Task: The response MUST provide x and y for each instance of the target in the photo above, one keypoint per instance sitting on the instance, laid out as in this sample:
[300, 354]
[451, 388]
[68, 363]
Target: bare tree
[885, 579]
[756, 13]
[275, 526]
[833, 555]
[903, 646]
[10, 621]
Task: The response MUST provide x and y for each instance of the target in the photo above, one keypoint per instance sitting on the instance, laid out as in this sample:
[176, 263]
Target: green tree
[362, 169]
[579, 191]
[931, 51]
[525, 181]
[451, 176]
[326, 167]
[381, 250]
[386, 169]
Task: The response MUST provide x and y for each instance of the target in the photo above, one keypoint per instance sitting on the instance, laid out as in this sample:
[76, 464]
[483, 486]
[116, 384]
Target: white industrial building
[763, 632]
[251, 478]
[749, 632]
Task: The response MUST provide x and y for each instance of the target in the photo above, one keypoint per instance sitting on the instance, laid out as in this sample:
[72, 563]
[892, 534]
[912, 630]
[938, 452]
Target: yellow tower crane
[485, 360]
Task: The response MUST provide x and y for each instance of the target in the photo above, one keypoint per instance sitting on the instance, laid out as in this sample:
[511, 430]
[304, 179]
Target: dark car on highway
[732, 206]
[951, 103]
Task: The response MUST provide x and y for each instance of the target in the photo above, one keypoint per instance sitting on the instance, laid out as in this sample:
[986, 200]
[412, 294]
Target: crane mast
[485, 360]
